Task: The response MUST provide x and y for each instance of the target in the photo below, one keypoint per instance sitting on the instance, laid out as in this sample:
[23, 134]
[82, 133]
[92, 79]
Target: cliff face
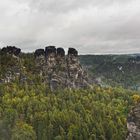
[133, 124]
[51, 64]
[60, 70]
[9, 64]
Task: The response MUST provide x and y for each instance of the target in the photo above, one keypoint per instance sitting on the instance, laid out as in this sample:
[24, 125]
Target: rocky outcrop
[133, 124]
[77, 77]
[39, 55]
[59, 77]
[52, 66]
[60, 70]
[10, 65]
[11, 50]
[39, 52]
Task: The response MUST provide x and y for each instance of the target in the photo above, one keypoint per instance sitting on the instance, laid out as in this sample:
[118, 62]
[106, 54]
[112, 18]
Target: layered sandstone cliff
[60, 70]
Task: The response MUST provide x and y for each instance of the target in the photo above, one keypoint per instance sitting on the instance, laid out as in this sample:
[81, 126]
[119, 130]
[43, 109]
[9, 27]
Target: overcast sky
[91, 26]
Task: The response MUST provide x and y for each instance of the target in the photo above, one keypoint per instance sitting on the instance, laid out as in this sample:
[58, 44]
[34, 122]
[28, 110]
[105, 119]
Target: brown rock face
[62, 71]
[133, 124]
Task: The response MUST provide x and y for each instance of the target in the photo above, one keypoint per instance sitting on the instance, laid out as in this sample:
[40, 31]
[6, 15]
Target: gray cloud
[92, 26]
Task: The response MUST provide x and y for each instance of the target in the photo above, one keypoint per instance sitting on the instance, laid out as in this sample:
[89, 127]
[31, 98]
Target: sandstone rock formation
[78, 77]
[133, 124]
[60, 70]
[52, 66]
[11, 50]
[40, 61]
[39, 52]
[58, 78]
[9, 56]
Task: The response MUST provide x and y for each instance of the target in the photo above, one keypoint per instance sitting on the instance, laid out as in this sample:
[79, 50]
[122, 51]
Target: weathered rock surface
[133, 124]
[40, 61]
[60, 70]
[77, 77]
[10, 65]
[39, 52]
[52, 66]
[11, 50]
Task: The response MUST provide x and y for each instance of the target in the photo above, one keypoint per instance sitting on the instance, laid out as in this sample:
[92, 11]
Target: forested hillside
[114, 70]
[31, 110]
[34, 112]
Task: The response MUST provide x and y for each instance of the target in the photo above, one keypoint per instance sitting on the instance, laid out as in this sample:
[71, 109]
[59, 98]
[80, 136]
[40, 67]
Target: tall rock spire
[60, 70]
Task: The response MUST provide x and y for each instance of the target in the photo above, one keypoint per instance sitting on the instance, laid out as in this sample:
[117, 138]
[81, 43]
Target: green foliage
[23, 131]
[114, 70]
[30, 112]
[28, 61]
[6, 62]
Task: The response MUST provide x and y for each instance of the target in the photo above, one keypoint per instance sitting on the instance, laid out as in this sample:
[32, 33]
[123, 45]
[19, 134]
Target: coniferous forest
[30, 112]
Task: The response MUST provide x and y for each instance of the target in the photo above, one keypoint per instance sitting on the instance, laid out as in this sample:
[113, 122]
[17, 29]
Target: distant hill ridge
[114, 70]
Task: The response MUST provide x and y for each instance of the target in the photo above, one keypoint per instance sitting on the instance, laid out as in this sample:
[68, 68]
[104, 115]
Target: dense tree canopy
[32, 112]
